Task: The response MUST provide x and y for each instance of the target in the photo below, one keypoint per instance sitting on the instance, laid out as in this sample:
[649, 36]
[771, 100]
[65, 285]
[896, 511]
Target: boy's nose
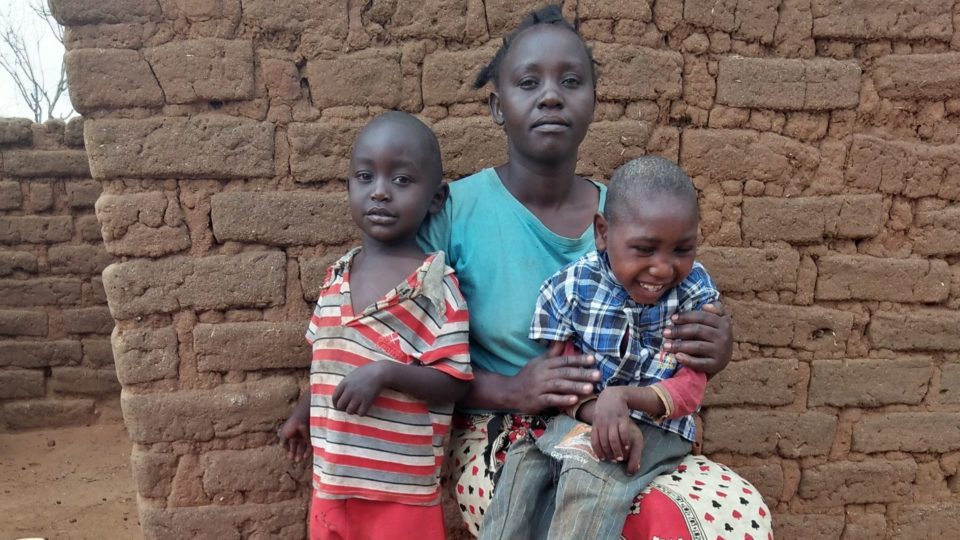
[381, 191]
[661, 269]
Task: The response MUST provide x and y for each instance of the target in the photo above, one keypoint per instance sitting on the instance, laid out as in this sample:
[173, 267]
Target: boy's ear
[440, 197]
[494, 102]
[600, 231]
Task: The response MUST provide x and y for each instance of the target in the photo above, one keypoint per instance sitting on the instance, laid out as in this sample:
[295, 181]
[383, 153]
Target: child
[614, 303]
[389, 339]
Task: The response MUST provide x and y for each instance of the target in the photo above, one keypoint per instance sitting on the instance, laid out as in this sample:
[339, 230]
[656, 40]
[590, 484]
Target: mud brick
[808, 526]
[846, 277]
[329, 17]
[82, 194]
[285, 520]
[448, 76]
[39, 354]
[788, 84]
[634, 73]
[427, 19]
[98, 352]
[131, 82]
[924, 330]
[282, 218]
[141, 287]
[250, 346]
[788, 434]
[749, 269]
[83, 380]
[11, 196]
[14, 131]
[21, 383]
[745, 19]
[743, 155]
[152, 472]
[147, 224]
[45, 163]
[78, 12]
[266, 470]
[904, 168]
[810, 219]
[35, 229]
[92, 320]
[907, 432]
[320, 150]
[470, 144]
[937, 232]
[869, 382]
[83, 260]
[933, 520]
[898, 19]
[312, 272]
[145, 354]
[200, 415]
[862, 482]
[48, 413]
[207, 146]
[40, 292]
[203, 69]
[808, 328]
[15, 261]
[366, 78]
[760, 381]
[21, 322]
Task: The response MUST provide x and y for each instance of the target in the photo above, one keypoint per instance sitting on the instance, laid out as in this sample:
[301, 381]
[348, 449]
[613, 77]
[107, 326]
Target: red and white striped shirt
[395, 452]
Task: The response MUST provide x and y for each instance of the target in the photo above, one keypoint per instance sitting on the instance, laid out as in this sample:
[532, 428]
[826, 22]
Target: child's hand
[611, 436]
[295, 437]
[357, 391]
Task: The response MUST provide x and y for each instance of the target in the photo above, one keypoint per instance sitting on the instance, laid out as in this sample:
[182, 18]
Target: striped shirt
[394, 453]
[585, 303]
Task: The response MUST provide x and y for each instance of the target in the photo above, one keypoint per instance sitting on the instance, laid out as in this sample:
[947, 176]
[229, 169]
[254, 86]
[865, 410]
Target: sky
[46, 51]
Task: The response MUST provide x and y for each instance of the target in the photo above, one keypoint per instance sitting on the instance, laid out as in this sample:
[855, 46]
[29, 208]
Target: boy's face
[651, 246]
[391, 185]
[545, 97]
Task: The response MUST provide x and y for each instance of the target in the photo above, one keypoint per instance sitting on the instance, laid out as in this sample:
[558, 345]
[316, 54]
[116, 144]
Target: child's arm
[357, 391]
[295, 432]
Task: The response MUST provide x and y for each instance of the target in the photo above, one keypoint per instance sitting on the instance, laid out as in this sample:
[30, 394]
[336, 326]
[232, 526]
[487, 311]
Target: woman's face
[545, 98]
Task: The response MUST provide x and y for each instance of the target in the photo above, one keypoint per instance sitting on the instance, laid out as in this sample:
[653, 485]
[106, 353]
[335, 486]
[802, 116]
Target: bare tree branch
[24, 68]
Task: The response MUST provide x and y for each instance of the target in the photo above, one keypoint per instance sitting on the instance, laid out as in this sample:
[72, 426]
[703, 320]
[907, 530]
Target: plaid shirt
[585, 304]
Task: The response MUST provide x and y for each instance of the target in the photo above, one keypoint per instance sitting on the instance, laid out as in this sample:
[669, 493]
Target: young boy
[615, 304]
[389, 339]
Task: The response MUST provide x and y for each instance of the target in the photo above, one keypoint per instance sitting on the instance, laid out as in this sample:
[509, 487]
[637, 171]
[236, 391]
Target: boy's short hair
[426, 138]
[643, 177]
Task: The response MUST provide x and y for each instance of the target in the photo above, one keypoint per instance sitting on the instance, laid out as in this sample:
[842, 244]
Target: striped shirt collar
[427, 279]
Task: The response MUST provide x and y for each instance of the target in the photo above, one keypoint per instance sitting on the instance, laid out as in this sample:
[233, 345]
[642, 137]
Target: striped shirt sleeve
[450, 351]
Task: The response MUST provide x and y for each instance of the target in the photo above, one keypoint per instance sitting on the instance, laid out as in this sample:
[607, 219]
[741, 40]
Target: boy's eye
[571, 82]
[363, 177]
[402, 180]
[643, 250]
[684, 250]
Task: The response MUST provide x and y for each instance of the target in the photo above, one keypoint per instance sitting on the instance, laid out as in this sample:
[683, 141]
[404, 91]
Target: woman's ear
[440, 197]
[600, 231]
[494, 102]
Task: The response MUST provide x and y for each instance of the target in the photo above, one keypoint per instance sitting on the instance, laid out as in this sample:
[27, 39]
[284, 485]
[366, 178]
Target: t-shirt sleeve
[553, 313]
[325, 311]
[450, 352]
[434, 233]
[697, 290]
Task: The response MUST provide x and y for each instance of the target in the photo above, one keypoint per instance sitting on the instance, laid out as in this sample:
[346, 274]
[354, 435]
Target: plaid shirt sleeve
[697, 290]
[553, 314]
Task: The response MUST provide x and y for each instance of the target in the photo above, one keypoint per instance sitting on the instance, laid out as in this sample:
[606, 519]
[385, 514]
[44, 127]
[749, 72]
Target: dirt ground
[67, 483]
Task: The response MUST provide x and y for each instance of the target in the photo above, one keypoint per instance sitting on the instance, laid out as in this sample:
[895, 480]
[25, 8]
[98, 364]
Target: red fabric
[659, 518]
[359, 519]
[686, 389]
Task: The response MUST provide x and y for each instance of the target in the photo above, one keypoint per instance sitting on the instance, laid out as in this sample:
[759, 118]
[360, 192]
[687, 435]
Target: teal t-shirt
[501, 253]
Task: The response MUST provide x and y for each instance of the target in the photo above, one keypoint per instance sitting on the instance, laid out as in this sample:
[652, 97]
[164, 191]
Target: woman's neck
[538, 184]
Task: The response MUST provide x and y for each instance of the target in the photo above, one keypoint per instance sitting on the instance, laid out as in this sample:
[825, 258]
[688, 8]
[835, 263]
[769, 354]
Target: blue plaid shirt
[584, 303]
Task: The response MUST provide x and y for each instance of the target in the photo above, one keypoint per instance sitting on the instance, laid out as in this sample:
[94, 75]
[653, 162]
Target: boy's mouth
[380, 215]
[651, 287]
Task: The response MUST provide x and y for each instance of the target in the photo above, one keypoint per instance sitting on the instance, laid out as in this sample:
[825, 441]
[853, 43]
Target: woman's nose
[550, 96]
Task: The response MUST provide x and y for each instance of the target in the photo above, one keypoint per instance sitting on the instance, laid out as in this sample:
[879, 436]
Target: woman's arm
[549, 380]
[703, 339]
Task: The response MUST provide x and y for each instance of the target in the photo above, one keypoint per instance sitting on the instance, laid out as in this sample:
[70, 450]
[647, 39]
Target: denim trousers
[554, 487]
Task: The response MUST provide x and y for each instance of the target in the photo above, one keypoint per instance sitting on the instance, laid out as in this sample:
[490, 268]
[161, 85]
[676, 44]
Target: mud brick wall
[56, 364]
[824, 137]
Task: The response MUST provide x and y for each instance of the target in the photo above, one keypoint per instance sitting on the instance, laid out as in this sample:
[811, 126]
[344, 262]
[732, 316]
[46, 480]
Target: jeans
[555, 489]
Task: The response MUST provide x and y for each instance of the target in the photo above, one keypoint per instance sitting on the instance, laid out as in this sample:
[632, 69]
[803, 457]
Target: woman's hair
[549, 14]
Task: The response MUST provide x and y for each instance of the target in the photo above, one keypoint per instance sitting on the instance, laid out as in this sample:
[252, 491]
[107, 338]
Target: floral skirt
[701, 500]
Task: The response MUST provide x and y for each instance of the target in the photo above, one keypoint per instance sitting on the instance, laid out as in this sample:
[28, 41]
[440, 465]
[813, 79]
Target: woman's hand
[702, 340]
[551, 380]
